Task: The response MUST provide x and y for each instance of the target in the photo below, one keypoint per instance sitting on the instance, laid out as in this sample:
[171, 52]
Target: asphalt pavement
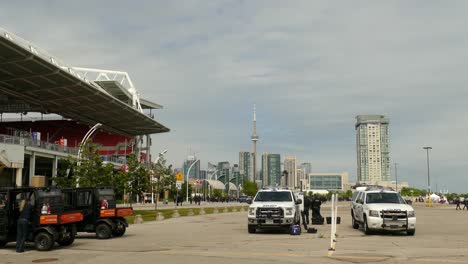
[223, 238]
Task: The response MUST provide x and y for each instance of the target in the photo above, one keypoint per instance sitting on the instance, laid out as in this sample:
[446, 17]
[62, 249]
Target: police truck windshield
[273, 197]
[384, 198]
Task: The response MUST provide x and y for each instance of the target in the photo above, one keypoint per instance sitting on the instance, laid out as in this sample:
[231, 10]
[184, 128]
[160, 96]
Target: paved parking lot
[441, 237]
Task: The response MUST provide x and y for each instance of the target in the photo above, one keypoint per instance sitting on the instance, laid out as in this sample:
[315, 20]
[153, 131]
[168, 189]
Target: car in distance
[273, 208]
[381, 209]
[243, 198]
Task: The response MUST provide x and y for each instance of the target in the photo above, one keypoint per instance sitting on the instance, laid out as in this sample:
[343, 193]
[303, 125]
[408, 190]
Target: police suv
[380, 209]
[273, 208]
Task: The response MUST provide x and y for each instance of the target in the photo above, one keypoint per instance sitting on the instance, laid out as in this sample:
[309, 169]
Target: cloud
[310, 66]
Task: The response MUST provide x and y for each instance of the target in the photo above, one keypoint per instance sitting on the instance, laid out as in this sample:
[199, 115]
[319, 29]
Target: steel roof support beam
[27, 76]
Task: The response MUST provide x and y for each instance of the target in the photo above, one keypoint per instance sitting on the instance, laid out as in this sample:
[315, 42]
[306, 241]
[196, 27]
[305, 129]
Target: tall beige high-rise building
[290, 167]
[372, 146]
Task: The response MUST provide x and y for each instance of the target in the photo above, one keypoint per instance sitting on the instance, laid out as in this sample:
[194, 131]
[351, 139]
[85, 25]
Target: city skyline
[309, 74]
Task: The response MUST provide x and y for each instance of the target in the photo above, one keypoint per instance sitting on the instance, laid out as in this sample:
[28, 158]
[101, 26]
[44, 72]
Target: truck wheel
[44, 241]
[119, 230]
[252, 229]
[354, 223]
[411, 232]
[367, 231]
[67, 241]
[103, 231]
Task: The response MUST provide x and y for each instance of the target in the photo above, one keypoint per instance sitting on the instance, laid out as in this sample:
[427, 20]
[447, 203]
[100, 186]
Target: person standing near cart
[22, 228]
[306, 208]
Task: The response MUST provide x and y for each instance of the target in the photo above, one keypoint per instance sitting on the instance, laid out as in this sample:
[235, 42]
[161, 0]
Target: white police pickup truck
[273, 208]
[382, 210]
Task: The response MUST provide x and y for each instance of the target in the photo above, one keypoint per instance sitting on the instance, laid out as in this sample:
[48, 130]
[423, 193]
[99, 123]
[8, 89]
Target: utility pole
[428, 175]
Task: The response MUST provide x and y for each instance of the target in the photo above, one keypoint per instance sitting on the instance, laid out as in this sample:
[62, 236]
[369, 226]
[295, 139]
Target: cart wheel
[68, 240]
[103, 231]
[120, 230]
[3, 243]
[44, 241]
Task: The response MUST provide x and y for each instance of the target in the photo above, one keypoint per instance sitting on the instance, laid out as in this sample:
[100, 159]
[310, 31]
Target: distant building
[372, 145]
[235, 175]
[203, 174]
[195, 171]
[290, 167]
[271, 169]
[301, 178]
[245, 166]
[224, 171]
[329, 181]
[307, 166]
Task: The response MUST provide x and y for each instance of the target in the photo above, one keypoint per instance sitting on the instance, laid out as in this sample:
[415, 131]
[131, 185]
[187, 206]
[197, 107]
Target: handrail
[29, 142]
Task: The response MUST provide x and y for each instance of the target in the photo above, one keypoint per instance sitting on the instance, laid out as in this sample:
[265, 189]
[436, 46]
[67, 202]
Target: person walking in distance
[23, 225]
[457, 202]
[465, 204]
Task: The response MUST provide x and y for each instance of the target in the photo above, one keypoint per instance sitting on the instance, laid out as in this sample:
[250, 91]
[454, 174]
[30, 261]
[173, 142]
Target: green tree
[249, 188]
[137, 176]
[218, 193]
[165, 178]
[183, 191]
[405, 191]
[89, 171]
[346, 195]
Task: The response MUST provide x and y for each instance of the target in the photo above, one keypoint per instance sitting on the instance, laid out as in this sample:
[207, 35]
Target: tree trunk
[157, 200]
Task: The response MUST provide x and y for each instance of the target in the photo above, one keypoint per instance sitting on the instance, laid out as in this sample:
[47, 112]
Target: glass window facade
[325, 182]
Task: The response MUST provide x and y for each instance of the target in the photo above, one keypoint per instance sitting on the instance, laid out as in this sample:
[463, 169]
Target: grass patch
[150, 215]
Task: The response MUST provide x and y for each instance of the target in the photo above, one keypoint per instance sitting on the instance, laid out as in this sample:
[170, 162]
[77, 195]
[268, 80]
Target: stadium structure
[48, 108]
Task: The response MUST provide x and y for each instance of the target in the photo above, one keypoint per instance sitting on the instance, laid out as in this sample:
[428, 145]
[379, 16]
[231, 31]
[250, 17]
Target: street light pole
[428, 175]
[188, 174]
[396, 178]
[152, 177]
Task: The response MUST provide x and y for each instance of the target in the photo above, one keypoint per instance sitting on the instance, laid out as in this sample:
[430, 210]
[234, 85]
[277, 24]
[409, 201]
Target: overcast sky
[310, 66]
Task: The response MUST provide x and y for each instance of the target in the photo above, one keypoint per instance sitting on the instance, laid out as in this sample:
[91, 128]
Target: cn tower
[254, 153]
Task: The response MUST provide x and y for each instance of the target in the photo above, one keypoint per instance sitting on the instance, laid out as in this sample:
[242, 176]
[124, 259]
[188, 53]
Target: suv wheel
[252, 229]
[44, 241]
[411, 232]
[103, 231]
[367, 231]
[354, 222]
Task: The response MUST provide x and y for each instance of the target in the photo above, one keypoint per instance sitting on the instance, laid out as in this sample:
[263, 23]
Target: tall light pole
[188, 174]
[428, 176]
[152, 177]
[396, 178]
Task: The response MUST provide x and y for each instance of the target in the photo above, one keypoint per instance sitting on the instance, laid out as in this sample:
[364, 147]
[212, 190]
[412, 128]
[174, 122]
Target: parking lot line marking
[441, 260]
[239, 253]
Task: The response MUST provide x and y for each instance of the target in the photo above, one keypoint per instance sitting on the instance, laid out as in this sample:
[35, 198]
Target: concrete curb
[138, 219]
[160, 217]
[176, 214]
